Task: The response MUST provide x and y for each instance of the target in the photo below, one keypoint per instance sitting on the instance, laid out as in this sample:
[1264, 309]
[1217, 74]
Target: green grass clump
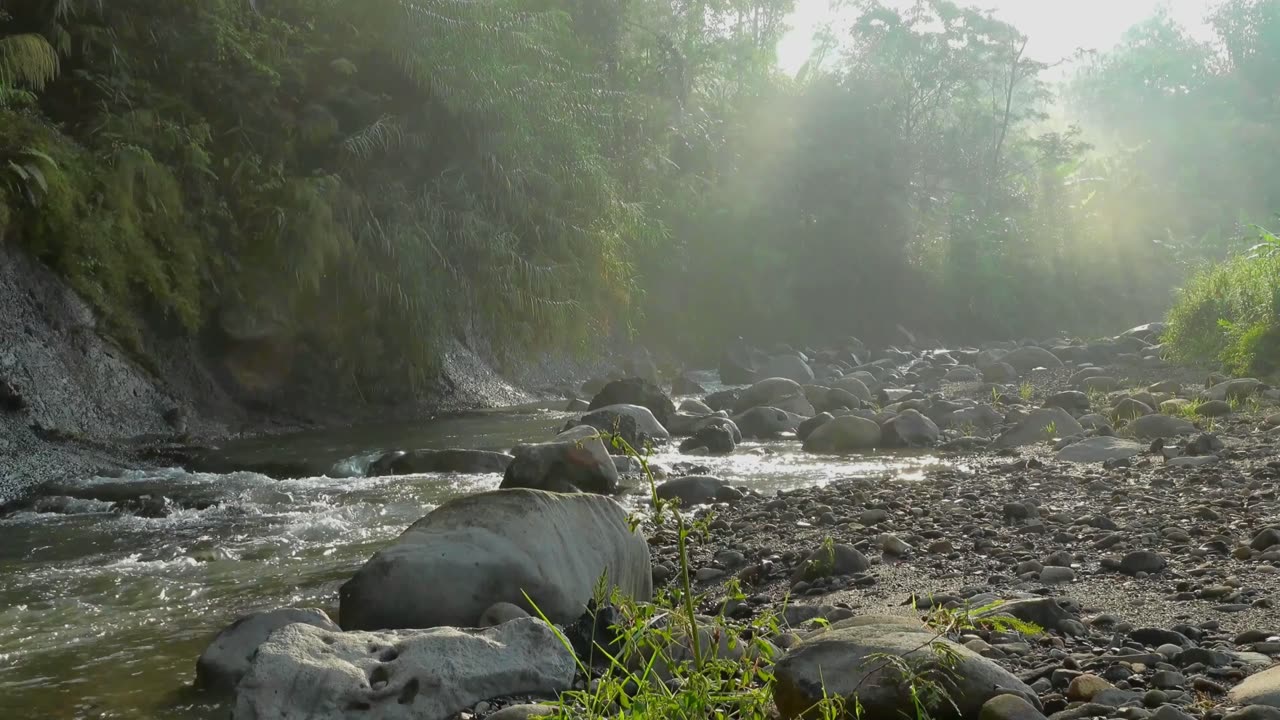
[1230, 313]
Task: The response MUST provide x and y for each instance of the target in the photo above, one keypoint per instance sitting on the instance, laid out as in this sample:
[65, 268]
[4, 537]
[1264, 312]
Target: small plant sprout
[1026, 391]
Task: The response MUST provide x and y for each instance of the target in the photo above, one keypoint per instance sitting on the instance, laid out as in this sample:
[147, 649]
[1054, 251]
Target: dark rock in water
[764, 423]
[848, 433]
[635, 391]
[683, 385]
[723, 400]
[715, 439]
[778, 393]
[227, 658]
[576, 405]
[698, 490]
[439, 461]
[807, 427]
[737, 367]
[634, 423]
[570, 464]
[497, 547]
[910, 429]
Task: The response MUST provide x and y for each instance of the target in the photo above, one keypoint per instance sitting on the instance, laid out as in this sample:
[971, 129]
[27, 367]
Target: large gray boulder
[498, 546]
[636, 424]
[227, 658]
[1260, 689]
[306, 672]
[577, 461]
[1150, 427]
[1099, 449]
[1238, 389]
[912, 429]
[778, 393]
[698, 490]
[1038, 426]
[855, 385]
[851, 659]
[1026, 359]
[847, 433]
[764, 423]
[791, 367]
[412, 462]
[635, 391]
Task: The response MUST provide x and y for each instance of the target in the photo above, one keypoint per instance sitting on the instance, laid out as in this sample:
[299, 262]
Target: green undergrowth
[1229, 314]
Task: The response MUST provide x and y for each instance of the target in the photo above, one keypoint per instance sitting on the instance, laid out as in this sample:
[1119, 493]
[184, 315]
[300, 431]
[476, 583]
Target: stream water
[103, 614]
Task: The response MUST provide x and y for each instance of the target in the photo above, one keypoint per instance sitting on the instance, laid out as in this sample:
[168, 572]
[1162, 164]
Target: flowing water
[103, 614]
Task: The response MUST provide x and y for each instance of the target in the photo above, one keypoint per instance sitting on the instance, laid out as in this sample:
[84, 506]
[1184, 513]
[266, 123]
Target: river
[102, 614]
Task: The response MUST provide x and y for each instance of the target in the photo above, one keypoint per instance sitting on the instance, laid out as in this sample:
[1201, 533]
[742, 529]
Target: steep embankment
[73, 402]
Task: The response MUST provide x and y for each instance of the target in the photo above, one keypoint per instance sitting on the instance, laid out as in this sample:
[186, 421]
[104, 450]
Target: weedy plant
[1026, 391]
[664, 661]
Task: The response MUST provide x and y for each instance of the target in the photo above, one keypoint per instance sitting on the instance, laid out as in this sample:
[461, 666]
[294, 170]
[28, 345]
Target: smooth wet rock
[307, 672]
[578, 462]
[791, 367]
[853, 385]
[636, 391]
[635, 423]
[842, 661]
[911, 429]
[440, 461]
[764, 422]
[780, 393]
[496, 547]
[227, 658]
[848, 433]
[698, 490]
[715, 439]
[1100, 449]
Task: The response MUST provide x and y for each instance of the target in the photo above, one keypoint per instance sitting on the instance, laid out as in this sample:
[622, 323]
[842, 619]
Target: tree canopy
[372, 179]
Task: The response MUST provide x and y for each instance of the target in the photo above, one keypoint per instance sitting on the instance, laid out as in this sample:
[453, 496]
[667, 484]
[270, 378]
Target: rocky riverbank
[1104, 541]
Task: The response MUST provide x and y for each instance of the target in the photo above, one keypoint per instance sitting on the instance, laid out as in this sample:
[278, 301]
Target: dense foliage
[366, 181]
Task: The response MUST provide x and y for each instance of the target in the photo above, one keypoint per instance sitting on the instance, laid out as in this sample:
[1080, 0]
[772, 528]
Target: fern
[27, 59]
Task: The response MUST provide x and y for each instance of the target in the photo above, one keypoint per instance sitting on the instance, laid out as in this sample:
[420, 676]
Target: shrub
[1230, 313]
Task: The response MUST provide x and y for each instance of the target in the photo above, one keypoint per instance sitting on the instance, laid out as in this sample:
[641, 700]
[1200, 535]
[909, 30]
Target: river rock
[737, 365]
[1238, 389]
[713, 439]
[496, 547]
[855, 386]
[791, 367]
[642, 429]
[839, 661]
[1129, 408]
[698, 490]
[1150, 427]
[1009, 707]
[764, 422]
[1026, 359]
[685, 385]
[1145, 561]
[1035, 428]
[635, 391]
[694, 407]
[304, 671]
[846, 433]
[778, 393]
[227, 658]
[838, 559]
[806, 428]
[1213, 408]
[1099, 384]
[1260, 689]
[440, 461]
[1099, 449]
[1069, 400]
[576, 462]
[912, 429]
[999, 372]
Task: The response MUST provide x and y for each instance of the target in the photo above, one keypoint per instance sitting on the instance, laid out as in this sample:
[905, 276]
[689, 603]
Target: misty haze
[639, 359]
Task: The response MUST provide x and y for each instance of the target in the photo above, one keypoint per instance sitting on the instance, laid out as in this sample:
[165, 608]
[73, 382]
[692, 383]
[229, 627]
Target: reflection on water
[102, 615]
